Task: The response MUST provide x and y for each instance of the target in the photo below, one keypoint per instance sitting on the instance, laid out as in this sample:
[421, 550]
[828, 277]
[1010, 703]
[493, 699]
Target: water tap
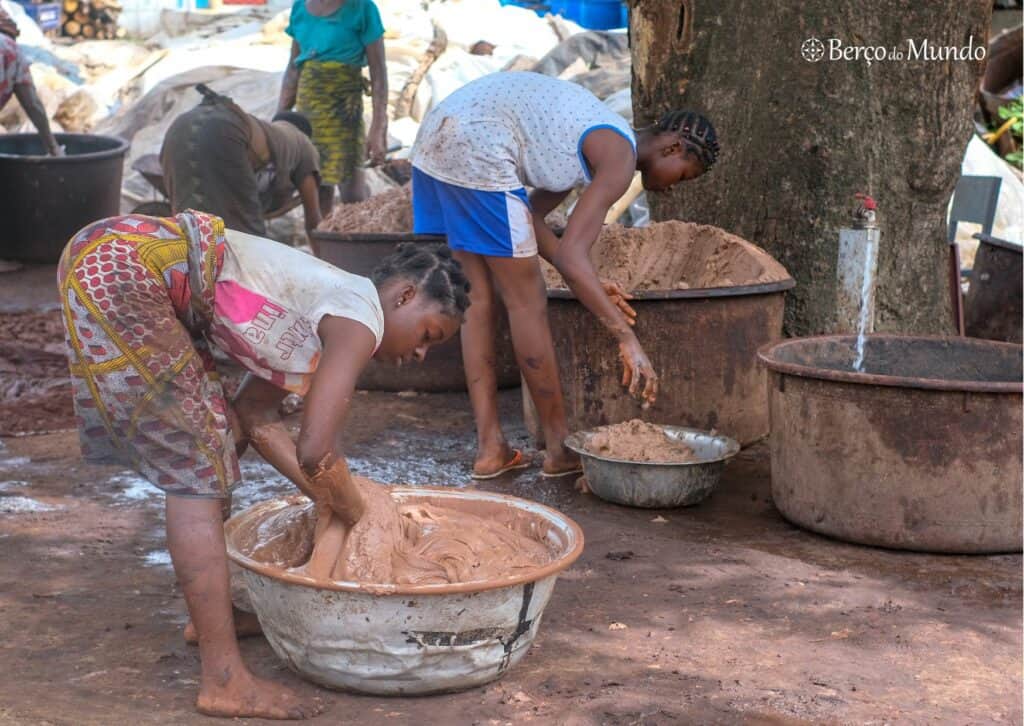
[864, 214]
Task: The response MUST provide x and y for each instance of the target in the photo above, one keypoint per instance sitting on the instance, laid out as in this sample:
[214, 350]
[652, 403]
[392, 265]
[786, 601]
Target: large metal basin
[442, 370]
[405, 639]
[45, 199]
[921, 451]
[994, 303]
[703, 343]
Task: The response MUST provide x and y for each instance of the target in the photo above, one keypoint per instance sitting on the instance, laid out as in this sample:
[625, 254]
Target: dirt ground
[732, 615]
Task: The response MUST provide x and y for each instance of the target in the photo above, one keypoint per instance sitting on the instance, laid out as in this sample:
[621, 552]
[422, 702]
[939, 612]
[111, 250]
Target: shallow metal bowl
[657, 485]
[389, 640]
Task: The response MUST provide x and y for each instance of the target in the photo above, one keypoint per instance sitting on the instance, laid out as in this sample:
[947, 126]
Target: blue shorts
[496, 224]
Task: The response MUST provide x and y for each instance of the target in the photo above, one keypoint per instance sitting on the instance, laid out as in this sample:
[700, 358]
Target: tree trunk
[800, 137]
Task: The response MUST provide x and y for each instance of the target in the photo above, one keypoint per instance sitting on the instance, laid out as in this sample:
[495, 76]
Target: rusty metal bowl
[921, 450]
[654, 485]
[442, 370]
[703, 343]
[388, 639]
[994, 302]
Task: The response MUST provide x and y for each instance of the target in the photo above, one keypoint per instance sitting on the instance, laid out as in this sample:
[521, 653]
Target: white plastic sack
[255, 57]
[621, 102]
[980, 160]
[404, 131]
[29, 32]
[406, 20]
[454, 69]
[513, 30]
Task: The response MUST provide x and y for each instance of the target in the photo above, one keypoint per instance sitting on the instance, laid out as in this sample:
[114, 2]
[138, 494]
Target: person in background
[332, 41]
[473, 158]
[219, 159]
[16, 80]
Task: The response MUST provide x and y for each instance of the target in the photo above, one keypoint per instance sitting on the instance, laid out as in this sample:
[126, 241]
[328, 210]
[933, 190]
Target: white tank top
[513, 129]
[268, 302]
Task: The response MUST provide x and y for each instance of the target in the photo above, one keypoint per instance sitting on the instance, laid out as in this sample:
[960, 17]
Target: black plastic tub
[46, 199]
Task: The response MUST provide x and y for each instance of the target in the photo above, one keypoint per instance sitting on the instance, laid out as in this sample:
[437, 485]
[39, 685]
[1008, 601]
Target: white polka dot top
[513, 129]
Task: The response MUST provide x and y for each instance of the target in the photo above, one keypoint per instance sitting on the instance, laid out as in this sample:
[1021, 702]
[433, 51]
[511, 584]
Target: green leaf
[1012, 109]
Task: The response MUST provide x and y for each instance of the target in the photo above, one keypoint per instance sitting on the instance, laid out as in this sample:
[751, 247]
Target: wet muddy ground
[731, 615]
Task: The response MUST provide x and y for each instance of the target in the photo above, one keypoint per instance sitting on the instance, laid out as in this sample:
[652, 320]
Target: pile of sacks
[480, 37]
[135, 89]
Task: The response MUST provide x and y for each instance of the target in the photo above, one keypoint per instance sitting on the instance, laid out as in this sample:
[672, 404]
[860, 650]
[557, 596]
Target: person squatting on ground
[226, 162]
[146, 299]
[332, 40]
[473, 158]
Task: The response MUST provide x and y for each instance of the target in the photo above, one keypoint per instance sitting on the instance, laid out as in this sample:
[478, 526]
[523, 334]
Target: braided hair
[433, 269]
[695, 131]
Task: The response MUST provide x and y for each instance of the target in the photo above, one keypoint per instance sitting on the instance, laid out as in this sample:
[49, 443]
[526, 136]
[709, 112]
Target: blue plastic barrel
[541, 7]
[590, 14]
[46, 15]
[593, 14]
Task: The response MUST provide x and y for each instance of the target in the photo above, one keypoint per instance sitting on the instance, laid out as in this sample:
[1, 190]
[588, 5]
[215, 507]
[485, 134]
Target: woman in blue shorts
[474, 156]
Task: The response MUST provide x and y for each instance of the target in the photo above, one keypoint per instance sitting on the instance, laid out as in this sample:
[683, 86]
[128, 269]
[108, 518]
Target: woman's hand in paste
[332, 486]
[637, 369]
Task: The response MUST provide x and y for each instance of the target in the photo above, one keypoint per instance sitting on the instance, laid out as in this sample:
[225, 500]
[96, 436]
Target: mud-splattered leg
[521, 286]
[478, 358]
[195, 538]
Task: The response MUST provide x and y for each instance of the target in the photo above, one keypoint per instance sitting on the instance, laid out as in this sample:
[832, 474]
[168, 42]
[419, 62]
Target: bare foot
[582, 485]
[245, 696]
[247, 625]
[563, 461]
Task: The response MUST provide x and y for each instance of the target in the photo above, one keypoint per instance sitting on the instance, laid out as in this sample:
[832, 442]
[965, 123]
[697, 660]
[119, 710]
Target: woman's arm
[612, 174]
[377, 138]
[257, 404]
[312, 464]
[543, 203]
[7, 25]
[347, 348]
[29, 100]
[290, 82]
[309, 192]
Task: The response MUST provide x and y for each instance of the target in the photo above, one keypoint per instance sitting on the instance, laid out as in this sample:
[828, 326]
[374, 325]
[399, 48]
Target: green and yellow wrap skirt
[331, 94]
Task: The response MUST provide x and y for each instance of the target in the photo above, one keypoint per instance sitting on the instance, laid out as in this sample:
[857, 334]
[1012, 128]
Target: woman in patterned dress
[144, 301]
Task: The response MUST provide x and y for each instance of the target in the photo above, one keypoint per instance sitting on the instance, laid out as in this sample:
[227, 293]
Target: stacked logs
[92, 19]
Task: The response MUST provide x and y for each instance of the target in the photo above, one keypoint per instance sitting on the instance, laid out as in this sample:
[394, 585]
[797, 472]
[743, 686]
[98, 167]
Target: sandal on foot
[516, 462]
[557, 474]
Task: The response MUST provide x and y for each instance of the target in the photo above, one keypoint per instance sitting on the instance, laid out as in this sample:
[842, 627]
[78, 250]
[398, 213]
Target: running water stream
[867, 299]
[863, 238]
